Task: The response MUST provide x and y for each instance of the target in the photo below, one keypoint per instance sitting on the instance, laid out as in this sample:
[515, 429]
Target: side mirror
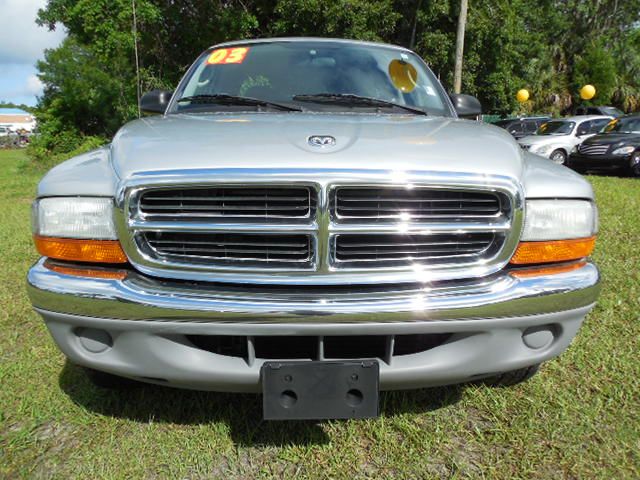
[155, 101]
[466, 105]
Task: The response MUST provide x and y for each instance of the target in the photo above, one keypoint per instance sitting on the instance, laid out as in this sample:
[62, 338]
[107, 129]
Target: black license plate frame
[320, 390]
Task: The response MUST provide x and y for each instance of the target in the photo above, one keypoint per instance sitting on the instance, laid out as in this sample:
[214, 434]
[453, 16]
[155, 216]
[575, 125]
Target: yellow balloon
[522, 95]
[403, 75]
[587, 92]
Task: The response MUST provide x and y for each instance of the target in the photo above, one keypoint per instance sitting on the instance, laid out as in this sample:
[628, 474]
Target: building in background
[17, 119]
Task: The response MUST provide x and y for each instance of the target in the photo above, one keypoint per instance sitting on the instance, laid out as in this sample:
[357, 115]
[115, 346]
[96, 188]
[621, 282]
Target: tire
[635, 161]
[108, 380]
[508, 379]
[559, 156]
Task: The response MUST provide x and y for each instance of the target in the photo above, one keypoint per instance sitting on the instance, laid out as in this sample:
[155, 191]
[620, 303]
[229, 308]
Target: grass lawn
[578, 418]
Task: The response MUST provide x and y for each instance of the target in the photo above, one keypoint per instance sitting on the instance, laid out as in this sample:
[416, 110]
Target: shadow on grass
[242, 413]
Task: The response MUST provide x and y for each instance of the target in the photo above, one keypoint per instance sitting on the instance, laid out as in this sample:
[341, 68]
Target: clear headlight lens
[74, 217]
[545, 149]
[624, 150]
[559, 220]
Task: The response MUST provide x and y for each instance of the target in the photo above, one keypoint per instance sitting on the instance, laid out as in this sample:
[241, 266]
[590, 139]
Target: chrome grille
[421, 204]
[402, 249]
[593, 149]
[235, 249]
[313, 228]
[228, 203]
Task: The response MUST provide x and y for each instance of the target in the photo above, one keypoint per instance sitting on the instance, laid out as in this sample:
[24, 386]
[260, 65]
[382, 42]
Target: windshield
[623, 125]
[614, 112]
[295, 74]
[556, 127]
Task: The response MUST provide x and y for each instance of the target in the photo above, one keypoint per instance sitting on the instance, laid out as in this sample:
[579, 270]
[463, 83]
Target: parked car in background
[557, 138]
[617, 148]
[602, 110]
[521, 127]
[5, 131]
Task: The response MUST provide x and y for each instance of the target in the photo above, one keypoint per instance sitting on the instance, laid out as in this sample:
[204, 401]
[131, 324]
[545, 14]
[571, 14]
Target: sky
[22, 44]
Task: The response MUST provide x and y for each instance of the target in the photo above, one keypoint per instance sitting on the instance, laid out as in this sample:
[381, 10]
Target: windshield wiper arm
[224, 99]
[354, 100]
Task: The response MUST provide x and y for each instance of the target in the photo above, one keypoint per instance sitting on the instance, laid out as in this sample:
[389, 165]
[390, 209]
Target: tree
[550, 47]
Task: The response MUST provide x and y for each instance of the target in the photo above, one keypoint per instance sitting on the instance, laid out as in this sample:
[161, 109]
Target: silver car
[556, 139]
[312, 220]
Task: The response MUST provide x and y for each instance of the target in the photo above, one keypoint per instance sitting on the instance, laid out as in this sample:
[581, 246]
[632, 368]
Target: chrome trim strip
[324, 270]
[146, 299]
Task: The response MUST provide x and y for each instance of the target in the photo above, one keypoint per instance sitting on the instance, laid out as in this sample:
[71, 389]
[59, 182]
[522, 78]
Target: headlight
[78, 229]
[557, 231]
[624, 150]
[545, 149]
[74, 217]
[559, 220]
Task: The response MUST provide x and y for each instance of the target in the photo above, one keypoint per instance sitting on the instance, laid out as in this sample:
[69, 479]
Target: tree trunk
[462, 22]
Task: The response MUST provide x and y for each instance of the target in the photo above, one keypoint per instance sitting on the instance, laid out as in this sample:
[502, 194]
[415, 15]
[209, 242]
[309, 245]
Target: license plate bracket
[318, 390]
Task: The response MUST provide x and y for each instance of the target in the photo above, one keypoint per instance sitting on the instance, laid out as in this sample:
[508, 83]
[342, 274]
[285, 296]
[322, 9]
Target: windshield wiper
[350, 99]
[224, 99]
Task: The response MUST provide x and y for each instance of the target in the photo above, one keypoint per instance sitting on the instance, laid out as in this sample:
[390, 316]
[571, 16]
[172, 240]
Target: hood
[542, 139]
[613, 138]
[280, 140]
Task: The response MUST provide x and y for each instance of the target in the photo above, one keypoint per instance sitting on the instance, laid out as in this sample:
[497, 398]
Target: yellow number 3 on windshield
[227, 55]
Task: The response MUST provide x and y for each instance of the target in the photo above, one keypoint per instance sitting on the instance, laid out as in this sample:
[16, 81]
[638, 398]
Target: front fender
[89, 174]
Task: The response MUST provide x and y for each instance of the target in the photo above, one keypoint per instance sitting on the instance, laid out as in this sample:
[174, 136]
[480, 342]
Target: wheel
[635, 164]
[108, 380]
[559, 156]
[513, 377]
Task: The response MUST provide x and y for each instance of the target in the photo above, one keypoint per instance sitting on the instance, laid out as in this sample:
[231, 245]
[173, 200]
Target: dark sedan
[617, 148]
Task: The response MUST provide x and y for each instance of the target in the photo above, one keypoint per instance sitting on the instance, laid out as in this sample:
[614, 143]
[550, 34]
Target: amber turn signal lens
[554, 251]
[96, 251]
[88, 272]
[549, 270]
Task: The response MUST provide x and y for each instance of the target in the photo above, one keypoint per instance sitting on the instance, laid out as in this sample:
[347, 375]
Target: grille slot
[227, 202]
[356, 203]
[594, 149]
[378, 250]
[384, 347]
[234, 249]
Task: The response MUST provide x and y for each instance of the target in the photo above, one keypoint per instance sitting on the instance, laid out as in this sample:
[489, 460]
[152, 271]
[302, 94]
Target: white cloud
[21, 40]
[34, 85]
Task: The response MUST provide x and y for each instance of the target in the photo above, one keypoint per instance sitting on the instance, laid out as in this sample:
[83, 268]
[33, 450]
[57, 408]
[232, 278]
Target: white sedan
[557, 138]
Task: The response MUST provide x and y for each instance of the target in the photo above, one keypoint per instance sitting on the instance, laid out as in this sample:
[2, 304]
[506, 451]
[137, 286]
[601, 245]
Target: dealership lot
[578, 418]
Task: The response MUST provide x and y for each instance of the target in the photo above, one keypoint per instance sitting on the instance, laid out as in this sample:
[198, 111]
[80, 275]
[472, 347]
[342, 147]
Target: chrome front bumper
[139, 297]
[149, 320]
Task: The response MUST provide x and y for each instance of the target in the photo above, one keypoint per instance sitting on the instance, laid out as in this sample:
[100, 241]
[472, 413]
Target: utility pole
[135, 48]
[462, 23]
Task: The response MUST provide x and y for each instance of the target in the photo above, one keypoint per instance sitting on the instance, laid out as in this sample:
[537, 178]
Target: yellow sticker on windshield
[227, 55]
[610, 125]
[403, 75]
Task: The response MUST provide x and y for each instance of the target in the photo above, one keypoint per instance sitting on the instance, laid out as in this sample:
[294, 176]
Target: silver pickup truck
[312, 220]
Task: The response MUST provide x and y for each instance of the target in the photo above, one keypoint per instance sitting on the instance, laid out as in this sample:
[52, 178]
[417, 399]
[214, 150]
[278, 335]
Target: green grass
[578, 418]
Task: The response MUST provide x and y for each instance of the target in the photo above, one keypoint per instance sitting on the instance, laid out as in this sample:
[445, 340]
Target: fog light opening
[537, 338]
[94, 340]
